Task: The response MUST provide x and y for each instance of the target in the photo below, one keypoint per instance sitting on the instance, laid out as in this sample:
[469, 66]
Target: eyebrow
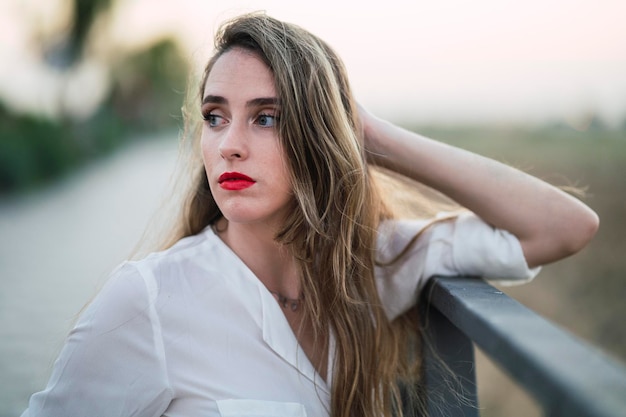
[255, 102]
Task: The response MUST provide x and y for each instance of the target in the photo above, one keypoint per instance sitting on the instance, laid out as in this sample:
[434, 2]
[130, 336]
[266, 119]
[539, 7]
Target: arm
[110, 364]
[549, 223]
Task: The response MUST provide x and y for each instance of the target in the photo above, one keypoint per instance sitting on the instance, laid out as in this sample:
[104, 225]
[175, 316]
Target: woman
[285, 290]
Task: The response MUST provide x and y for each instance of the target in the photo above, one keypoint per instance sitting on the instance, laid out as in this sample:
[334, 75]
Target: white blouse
[191, 331]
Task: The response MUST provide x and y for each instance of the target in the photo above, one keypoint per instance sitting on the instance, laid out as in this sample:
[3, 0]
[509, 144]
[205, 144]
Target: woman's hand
[549, 223]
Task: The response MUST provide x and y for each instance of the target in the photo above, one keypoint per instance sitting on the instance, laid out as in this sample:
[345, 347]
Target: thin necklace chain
[292, 303]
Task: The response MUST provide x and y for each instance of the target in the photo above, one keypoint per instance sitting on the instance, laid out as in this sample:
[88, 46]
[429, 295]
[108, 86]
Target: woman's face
[243, 157]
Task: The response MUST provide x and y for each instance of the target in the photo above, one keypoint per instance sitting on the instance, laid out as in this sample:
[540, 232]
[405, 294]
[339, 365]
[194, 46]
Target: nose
[233, 143]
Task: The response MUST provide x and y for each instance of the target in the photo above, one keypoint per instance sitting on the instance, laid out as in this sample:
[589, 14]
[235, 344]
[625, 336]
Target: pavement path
[57, 247]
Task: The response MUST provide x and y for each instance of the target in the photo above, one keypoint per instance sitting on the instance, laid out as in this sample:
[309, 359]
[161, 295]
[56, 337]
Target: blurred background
[90, 113]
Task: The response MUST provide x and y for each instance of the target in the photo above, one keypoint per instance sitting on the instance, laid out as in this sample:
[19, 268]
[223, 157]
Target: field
[584, 294]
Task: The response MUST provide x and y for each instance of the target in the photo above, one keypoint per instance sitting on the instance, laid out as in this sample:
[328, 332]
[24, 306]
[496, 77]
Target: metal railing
[565, 375]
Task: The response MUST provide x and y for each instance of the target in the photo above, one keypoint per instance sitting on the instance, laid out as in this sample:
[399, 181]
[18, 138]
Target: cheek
[283, 172]
[208, 160]
[207, 151]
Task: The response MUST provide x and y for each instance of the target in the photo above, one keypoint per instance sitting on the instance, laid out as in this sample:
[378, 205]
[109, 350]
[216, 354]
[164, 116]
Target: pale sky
[447, 61]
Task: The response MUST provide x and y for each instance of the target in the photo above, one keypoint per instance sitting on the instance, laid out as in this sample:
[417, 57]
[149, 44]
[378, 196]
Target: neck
[271, 262]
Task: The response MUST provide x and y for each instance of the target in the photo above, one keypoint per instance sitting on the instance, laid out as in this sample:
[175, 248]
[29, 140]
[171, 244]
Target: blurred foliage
[146, 95]
[32, 149]
[85, 13]
[35, 150]
[149, 87]
[69, 46]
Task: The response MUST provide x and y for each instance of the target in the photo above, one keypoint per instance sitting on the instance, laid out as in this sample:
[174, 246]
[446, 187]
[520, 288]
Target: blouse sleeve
[112, 362]
[463, 245]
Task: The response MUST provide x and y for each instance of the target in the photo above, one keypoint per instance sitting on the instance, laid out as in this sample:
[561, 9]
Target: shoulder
[186, 248]
[113, 359]
[456, 230]
[195, 265]
[143, 292]
[400, 239]
[394, 235]
[409, 252]
[196, 255]
[123, 298]
[455, 244]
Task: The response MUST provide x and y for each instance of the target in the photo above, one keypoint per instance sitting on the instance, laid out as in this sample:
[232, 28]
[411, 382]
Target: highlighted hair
[332, 228]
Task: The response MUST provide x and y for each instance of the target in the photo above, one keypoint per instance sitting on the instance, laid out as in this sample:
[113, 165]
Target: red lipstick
[234, 181]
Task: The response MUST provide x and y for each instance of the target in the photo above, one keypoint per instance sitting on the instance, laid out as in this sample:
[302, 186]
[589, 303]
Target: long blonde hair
[336, 211]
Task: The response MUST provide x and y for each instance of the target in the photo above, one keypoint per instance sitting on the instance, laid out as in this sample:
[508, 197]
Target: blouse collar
[277, 332]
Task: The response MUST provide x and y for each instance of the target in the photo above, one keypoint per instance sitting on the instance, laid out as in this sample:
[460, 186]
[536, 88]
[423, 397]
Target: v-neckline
[277, 332]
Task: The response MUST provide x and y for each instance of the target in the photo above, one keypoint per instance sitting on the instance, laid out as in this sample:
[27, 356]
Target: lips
[234, 181]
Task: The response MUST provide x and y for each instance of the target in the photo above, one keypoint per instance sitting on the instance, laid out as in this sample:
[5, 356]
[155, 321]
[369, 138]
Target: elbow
[581, 231]
[563, 239]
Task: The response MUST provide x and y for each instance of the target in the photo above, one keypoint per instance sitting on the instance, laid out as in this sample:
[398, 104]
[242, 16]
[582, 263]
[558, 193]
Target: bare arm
[549, 223]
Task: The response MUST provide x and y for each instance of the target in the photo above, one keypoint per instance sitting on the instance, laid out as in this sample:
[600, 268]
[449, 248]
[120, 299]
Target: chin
[244, 217]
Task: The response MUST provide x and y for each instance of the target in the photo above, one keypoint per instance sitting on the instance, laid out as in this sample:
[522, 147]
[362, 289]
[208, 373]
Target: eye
[266, 120]
[212, 119]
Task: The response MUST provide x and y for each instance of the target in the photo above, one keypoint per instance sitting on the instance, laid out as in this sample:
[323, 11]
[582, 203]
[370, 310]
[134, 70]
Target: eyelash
[273, 117]
[207, 116]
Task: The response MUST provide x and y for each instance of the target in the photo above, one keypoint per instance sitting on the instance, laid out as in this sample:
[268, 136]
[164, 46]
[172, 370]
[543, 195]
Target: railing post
[566, 375]
[449, 369]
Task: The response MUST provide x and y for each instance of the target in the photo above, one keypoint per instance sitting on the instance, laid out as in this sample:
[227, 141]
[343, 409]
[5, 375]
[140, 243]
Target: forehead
[238, 73]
